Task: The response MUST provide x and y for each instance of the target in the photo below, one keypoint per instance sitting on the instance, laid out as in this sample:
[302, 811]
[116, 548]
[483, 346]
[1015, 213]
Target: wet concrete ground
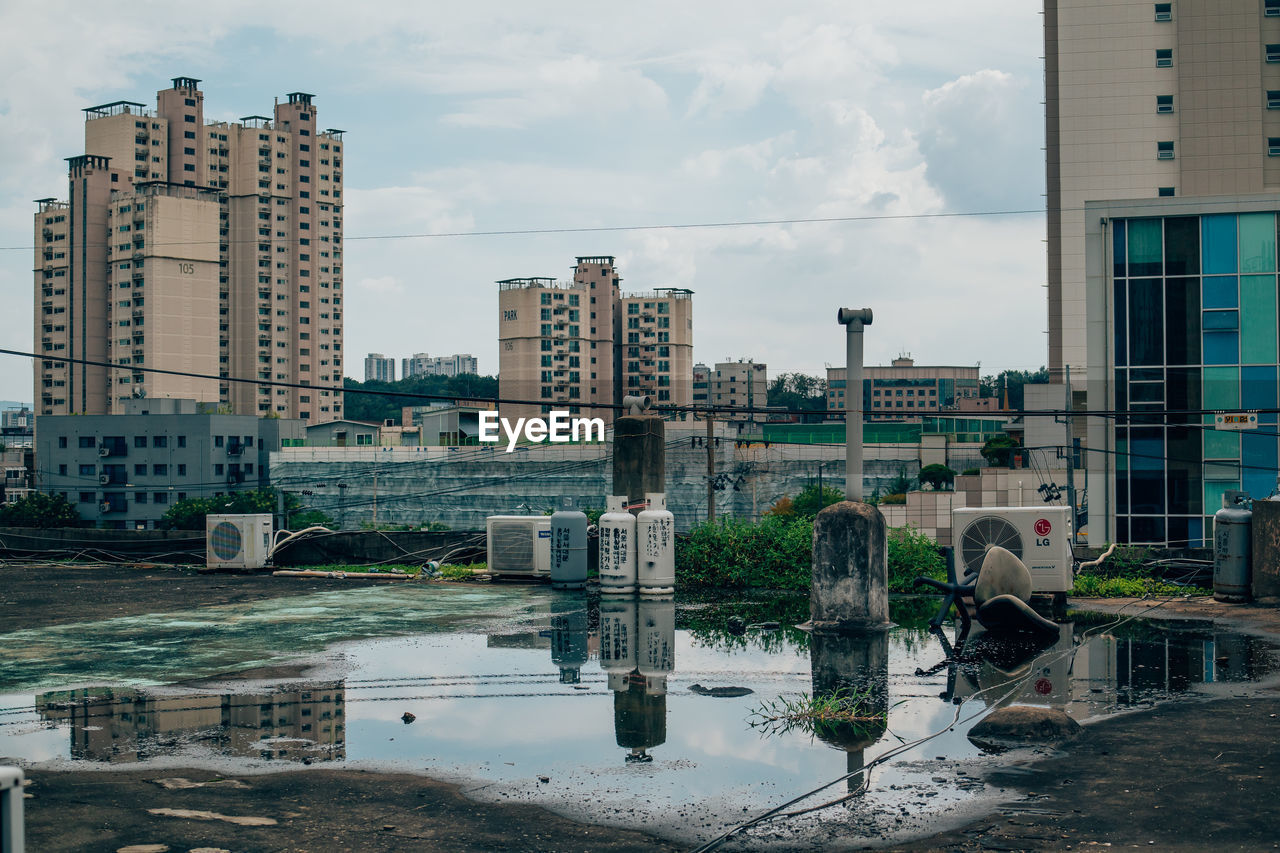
[1110, 795]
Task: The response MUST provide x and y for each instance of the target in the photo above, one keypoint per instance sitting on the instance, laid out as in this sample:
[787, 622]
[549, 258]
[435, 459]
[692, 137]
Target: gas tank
[1232, 548]
[656, 552]
[568, 547]
[617, 548]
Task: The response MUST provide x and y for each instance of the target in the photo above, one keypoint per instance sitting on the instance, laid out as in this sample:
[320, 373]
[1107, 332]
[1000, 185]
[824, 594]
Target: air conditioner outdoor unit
[104, 450]
[238, 541]
[104, 479]
[519, 545]
[1039, 536]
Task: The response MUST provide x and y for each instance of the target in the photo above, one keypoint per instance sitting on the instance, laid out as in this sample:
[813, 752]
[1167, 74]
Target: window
[1273, 99]
[1165, 192]
[1164, 58]
[217, 441]
[140, 470]
[62, 470]
[182, 441]
[218, 470]
[1271, 8]
[140, 497]
[86, 497]
[159, 441]
[1273, 146]
[62, 442]
[160, 470]
[1164, 150]
[1164, 11]
[1273, 53]
[139, 441]
[182, 470]
[1164, 103]
[85, 470]
[160, 498]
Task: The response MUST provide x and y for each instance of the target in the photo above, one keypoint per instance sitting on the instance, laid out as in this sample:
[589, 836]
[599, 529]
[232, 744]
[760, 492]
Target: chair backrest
[1002, 573]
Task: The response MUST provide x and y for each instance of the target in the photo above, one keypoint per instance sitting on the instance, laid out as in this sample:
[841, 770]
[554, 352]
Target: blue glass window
[1221, 347]
[1221, 320]
[1218, 242]
[1118, 248]
[1221, 292]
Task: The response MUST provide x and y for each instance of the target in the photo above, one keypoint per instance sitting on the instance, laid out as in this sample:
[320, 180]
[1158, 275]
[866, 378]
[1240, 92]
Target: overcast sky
[497, 116]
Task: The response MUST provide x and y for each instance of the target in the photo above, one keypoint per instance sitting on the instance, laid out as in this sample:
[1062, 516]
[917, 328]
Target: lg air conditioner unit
[238, 541]
[1039, 536]
[519, 545]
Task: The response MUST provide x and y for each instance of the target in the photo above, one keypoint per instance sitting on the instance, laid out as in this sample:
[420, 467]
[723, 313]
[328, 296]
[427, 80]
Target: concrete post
[856, 661]
[853, 321]
[850, 588]
[1266, 551]
[639, 457]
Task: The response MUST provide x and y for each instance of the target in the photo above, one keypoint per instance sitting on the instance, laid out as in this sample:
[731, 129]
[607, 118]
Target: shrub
[776, 553]
[912, 554]
[890, 500]
[812, 501]
[938, 476]
[38, 509]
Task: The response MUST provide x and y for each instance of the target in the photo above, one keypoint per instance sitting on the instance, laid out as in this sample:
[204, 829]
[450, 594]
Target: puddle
[635, 713]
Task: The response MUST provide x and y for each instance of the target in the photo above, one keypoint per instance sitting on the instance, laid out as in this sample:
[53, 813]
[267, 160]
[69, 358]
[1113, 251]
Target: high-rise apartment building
[379, 368]
[205, 247]
[1149, 100]
[422, 364]
[582, 345]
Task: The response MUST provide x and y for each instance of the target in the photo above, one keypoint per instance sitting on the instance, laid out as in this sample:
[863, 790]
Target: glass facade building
[1191, 317]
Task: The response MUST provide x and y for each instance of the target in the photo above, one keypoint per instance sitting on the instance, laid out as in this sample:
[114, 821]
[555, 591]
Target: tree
[799, 392]
[938, 476]
[190, 514]
[40, 510]
[811, 501]
[379, 408]
[998, 451]
[1013, 382]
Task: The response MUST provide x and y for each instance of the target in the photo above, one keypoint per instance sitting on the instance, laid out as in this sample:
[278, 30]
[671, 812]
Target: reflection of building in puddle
[637, 653]
[131, 725]
[1094, 673]
[854, 665]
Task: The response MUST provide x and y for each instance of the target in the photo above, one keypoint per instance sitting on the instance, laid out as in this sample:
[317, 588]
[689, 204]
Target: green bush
[38, 509]
[1097, 586]
[938, 476]
[775, 553]
[911, 555]
[812, 501]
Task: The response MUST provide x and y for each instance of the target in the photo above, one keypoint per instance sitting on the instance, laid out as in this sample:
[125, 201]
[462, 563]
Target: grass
[1096, 586]
[448, 572]
[817, 714]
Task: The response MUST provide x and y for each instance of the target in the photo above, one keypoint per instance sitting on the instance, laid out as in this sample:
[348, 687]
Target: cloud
[982, 151]
[382, 285]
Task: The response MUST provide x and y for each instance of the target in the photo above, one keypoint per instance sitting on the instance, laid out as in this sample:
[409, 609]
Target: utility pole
[375, 500]
[711, 467]
[853, 321]
[1071, 453]
[342, 506]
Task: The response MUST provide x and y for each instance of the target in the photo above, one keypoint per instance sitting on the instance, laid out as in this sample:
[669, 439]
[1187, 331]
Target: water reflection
[637, 653]
[305, 724]
[854, 664]
[1098, 665]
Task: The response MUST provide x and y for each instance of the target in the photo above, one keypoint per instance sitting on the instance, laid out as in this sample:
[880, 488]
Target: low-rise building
[124, 471]
[905, 390]
[422, 364]
[742, 383]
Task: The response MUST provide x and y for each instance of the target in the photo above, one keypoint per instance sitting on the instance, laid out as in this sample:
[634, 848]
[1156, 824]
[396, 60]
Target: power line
[829, 414]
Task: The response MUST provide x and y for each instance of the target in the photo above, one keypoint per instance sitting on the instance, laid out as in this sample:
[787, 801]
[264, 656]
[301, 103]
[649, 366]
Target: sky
[507, 116]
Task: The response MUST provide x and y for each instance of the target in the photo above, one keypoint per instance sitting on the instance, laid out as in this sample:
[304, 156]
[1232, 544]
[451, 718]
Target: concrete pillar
[1266, 550]
[639, 456]
[850, 588]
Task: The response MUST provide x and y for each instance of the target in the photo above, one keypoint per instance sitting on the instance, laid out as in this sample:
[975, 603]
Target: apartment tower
[582, 345]
[205, 247]
[1149, 100]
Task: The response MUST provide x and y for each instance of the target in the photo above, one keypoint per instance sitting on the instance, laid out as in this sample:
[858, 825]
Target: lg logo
[1042, 528]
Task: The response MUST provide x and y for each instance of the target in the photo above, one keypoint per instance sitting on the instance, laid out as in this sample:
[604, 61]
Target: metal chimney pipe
[853, 320]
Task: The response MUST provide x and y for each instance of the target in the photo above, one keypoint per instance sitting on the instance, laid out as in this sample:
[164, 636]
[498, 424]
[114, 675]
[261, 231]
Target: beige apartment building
[208, 247]
[904, 390]
[582, 345]
[1148, 100]
[743, 383]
